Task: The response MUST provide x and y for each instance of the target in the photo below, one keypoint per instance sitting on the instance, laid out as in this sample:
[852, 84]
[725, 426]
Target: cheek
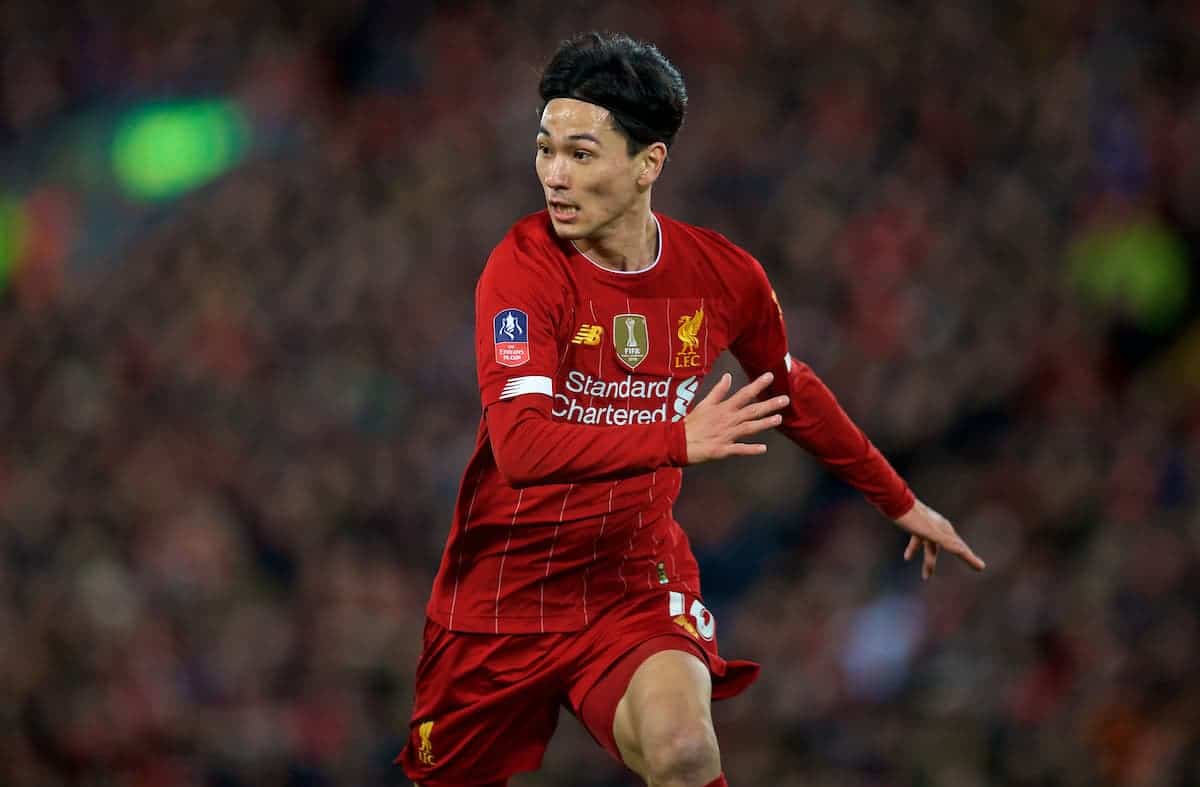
[609, 185]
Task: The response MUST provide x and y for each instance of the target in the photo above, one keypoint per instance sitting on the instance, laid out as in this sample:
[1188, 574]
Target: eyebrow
[573, 137]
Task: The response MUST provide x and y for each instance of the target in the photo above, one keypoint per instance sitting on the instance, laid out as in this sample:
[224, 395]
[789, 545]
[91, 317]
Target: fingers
[968, 555]
[744, 449]
[719, 390]
[931, 552]
[762, 409]
[955, 545]
[750, 391]
[719, 420]
[759, 425]
[746, 397]
[933, 531]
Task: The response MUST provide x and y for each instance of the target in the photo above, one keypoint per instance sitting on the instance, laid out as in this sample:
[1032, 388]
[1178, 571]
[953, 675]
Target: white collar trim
[649, 267]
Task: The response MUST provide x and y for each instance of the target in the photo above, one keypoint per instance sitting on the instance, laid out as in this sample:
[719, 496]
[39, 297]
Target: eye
[582, 155]
[543, 149]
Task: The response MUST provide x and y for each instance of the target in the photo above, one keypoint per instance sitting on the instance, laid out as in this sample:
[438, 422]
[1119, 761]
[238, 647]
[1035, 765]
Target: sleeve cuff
[677, 444]
[901, 507]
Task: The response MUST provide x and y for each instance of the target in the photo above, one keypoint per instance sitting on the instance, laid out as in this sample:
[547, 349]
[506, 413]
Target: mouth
[562, 211]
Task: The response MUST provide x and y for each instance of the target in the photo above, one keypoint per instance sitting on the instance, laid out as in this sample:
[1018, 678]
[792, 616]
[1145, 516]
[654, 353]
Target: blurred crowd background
[238, 242]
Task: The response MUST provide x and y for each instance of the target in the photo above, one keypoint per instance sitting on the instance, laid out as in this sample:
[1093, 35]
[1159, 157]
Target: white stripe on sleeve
[527, 385]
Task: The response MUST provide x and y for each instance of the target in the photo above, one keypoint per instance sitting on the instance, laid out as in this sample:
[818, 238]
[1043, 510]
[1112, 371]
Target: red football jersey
[585, 375]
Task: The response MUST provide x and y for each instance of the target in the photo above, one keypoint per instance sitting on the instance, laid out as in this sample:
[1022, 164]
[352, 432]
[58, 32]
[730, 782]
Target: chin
[569, 231]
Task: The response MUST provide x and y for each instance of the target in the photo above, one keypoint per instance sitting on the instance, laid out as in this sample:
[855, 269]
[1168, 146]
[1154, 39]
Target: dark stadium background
[238, 242]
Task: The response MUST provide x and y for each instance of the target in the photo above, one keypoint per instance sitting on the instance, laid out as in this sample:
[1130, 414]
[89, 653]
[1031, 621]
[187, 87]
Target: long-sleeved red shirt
[585, 376]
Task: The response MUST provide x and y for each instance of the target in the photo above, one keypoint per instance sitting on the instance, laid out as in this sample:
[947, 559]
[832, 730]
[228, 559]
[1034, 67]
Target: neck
[630, 246]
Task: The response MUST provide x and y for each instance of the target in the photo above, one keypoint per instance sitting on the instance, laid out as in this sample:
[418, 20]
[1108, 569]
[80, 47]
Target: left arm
[816, 421]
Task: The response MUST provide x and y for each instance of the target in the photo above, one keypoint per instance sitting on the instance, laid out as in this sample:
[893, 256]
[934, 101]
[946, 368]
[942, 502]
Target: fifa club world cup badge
[631, 340]
[511, 329]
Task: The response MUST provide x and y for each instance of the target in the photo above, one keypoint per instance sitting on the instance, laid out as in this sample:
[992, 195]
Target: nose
[555, 173]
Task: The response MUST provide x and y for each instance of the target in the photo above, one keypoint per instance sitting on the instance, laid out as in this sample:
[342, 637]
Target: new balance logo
[588, 334]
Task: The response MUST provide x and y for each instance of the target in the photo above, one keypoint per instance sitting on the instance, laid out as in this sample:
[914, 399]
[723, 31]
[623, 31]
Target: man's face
[587, 174]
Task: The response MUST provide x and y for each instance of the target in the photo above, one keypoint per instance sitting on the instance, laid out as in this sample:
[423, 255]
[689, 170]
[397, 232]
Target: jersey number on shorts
[705, 623]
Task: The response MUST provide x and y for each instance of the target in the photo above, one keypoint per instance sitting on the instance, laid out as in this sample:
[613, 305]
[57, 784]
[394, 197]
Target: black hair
[630, 78]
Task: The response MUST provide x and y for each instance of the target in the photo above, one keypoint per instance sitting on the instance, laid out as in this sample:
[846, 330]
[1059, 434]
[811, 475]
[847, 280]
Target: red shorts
[487, 704]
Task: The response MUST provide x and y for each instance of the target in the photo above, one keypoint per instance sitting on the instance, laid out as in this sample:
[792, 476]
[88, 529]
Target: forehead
[565, 117]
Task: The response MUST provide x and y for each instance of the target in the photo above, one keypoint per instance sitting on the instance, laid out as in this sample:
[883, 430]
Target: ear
[650, 164]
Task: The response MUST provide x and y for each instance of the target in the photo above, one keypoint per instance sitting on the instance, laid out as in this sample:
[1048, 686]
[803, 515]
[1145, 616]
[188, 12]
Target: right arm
[532, 448]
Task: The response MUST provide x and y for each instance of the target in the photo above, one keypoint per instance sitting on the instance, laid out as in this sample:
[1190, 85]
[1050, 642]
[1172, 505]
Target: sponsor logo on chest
[590, 400]
[662, 390]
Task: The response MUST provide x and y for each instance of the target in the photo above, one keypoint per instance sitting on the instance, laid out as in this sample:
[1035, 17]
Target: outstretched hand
[717, 424]
[934, 532]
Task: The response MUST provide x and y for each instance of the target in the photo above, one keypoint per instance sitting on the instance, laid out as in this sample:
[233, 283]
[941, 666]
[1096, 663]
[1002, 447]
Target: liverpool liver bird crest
[689, 331]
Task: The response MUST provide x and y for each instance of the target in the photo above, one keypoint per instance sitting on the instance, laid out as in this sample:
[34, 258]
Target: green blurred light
[163, 150]
[12, 237]
[1140, 269]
